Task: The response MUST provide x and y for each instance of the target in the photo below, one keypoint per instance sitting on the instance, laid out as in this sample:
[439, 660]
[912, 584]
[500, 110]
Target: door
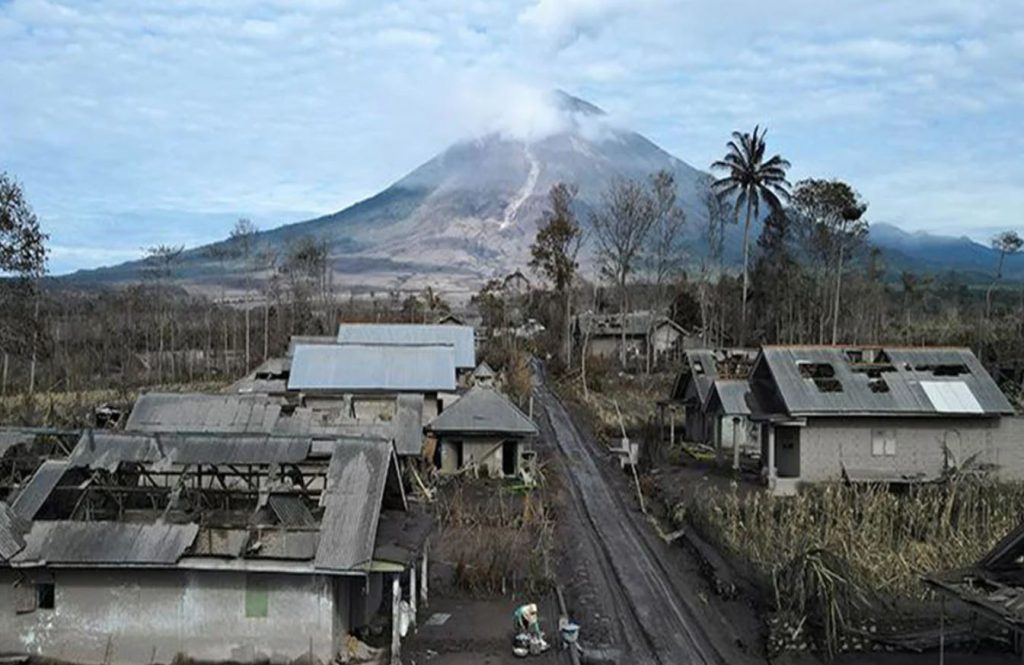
[509, 455]
[787, 451]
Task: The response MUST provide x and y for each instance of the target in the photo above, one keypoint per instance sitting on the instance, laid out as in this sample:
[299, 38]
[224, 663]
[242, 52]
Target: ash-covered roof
[817, 380]
[32, 496]
[103, 449]
[731, 396]
[704, 366]
[483, 411]
[374, 368]
[81, 542]
[205, 413]
[12, 528]
[637, 324]
[459, 337]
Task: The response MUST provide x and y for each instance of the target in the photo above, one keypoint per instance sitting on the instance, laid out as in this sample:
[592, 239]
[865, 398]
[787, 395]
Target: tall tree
[554, 251]
[621, 225]
[158, 267]
[1006, 243]
[777, 273]
[750, 180]
[243, 240]
[834, 214]
[22, 255]
[713, 234]
[665, 255]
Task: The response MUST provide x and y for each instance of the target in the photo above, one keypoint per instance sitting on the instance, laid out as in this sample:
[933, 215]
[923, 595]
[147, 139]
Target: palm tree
[751, 179]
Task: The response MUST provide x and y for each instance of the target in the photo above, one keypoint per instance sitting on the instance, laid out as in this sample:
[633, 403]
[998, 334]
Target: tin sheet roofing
[373, 367]
[352, 499]
[11, 528]
[291, 510]
[69, 542]
[32, 497]
[206, 413]
[401, 535]
[459, 337]
[10, 437]
[483, 410]
[731, 394]
[890, 385]
[106, 450]
[408, 425]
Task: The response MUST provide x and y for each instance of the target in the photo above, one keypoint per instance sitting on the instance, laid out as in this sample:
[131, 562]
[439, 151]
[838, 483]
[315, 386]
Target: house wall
[149, 616]
[746, 432]
[829, 444]
[608, 346]
[485, 450]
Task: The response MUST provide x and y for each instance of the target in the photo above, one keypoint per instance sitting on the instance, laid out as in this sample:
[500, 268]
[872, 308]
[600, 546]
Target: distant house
[483, 376]
[516, 284]
[218, 547]
[483, 429]
[642, 332]
[887, 414]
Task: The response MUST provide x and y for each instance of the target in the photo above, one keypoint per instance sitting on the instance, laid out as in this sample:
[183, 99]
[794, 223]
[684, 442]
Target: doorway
[787, 451]
[509, 455]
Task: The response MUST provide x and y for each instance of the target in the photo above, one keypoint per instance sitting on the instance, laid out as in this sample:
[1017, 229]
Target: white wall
[111, 616]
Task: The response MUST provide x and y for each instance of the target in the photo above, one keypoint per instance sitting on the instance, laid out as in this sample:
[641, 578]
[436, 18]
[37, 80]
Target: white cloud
[565, 21]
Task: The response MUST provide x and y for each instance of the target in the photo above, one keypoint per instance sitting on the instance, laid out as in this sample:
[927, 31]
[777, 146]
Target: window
[46, 595]
[883, 443]
[257, 602]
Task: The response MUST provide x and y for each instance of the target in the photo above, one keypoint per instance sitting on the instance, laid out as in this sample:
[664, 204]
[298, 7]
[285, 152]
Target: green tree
[23, 257]
[833, 213]
[750, 180]
[554, 251]
[1006, 243]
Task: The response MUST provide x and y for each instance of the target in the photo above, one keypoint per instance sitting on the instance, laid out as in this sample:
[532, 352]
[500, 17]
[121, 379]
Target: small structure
[410, 334]
[692, 388]
[647, 337]
[483, 376]
[880, 415]
[728, 416]
[483, 429]
[228, 547]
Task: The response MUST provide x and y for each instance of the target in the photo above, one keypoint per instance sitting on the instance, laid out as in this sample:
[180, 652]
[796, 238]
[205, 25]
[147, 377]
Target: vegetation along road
[659, 619]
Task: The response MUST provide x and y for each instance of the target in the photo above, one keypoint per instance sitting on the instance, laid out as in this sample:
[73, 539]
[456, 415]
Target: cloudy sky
[137, 122]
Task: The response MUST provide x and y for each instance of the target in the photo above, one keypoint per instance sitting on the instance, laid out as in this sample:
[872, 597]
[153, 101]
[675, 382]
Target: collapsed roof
[637, 324]
[220, 501]
[461, 338]
[704, 366]
[825, 380]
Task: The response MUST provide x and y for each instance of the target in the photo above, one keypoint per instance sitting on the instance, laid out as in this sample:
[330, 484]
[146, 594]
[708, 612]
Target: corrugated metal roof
[483, 371]
[11, 436]
[289, 545]
[352, 500]
[401, 535]
[408, 424]
[291, 510]
[460, 337]
[217, 541]
[377, 368]
[731, 395]
[892, 385]
[951, 397]
[483, 410]
[11, 529]
[32, 497]
[68, 542]
[205, 413]
[308, 340]
[105, 449]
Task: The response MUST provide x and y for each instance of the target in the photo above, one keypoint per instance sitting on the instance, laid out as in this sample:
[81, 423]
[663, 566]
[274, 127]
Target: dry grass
[890, 539]
[496, 536]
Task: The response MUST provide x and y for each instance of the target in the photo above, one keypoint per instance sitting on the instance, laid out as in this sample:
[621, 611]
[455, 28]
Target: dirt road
[657, 617]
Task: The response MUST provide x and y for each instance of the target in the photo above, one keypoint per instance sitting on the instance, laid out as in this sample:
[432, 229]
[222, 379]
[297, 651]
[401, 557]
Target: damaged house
[483, 430]
[217, 547]
[884, 415]
[692, 392]
[648, 337]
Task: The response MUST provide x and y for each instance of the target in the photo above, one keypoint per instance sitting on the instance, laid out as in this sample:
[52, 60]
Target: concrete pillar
[735, 444]
[771, 456]
[412, 593]
[396, 610]
[424, 576]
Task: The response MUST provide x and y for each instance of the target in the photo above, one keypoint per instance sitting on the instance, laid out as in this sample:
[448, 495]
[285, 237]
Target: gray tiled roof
[459, 337]
[62, 542]
[195, 412]
[483, 410]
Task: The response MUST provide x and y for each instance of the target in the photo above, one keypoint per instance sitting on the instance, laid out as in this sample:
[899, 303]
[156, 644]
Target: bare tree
[716, 217]
[554, 252]
[621, 225]
[1006, 243]
[158, 269]
[243, 241]
[664, 252]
